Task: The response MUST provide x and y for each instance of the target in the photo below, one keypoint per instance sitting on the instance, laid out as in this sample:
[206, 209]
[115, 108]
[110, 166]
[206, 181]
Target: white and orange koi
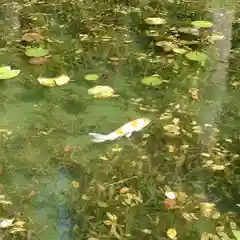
[126, 130]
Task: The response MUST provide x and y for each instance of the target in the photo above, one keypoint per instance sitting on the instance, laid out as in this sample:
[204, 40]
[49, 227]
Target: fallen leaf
[171, 233]
[75, 184]
[124, 190]
[5, 223]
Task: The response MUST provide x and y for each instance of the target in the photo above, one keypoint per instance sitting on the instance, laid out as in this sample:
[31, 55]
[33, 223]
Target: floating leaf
[196, 56]
[101, 91]
[202, 24]
[155, 20]
[236, 234]
[5, 223]
[91, 77]
[50, 82]
[171, 233]
[36, 52]
[153, 80]
[6, 73]
[30, 37]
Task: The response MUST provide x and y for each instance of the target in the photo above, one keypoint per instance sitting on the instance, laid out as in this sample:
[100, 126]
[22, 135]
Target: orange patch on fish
[134, 123]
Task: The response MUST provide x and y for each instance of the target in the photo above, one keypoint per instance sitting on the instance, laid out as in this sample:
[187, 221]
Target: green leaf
[236, 234]
[196, 56]
[152, 80]
[155, 20]
[91, 77]
[202, 24]
[36, 52]
[6, 72]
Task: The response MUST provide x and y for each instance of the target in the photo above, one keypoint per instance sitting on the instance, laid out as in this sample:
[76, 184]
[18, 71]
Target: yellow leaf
[171, 233]
[75, 184]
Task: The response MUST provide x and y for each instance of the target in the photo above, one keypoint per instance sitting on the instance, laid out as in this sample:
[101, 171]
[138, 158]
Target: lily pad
[101, 91]
[236, 233]
[196, 56]
[152, 80]
[6, 72]
[50, 82]
[36, 52]
[202, 24]
[91, 77]
[155, 20]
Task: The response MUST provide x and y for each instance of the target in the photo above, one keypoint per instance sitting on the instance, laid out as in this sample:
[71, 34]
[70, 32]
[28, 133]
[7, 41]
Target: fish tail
[99, 137]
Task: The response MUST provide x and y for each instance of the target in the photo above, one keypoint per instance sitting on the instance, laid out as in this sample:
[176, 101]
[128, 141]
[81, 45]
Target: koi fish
[126, 130]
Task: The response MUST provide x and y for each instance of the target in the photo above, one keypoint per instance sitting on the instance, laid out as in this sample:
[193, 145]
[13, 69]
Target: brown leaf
[31, 37]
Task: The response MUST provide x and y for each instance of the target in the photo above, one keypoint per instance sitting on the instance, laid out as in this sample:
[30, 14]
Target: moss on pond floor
[178, 178]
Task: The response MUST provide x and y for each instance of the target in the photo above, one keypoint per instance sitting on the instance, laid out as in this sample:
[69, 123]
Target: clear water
[37, 123]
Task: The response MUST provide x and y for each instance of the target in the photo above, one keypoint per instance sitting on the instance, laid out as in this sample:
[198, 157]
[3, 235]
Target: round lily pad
[202, 24]
[155, 20]
[196, 56]
[152, 80]
[91, 77]
[36, 52]
[7, 73]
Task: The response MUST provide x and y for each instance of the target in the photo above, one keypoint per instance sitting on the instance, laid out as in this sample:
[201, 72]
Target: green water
[37, 122]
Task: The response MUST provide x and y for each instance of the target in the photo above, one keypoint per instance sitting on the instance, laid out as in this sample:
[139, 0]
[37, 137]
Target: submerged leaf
[36, 52]
[202, 24]
[155, 20]
[30, 37]
[38, 60]
[196, 56]
[152, 80]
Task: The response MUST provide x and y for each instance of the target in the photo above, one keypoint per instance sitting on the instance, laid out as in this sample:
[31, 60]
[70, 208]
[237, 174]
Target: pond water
[177, 178]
